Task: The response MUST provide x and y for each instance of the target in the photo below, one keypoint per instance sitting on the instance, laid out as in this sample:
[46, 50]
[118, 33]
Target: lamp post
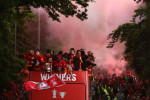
[39, 28]
[15, 35]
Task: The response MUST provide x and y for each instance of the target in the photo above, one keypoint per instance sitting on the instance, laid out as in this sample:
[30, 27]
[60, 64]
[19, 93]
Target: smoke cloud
[104, 16]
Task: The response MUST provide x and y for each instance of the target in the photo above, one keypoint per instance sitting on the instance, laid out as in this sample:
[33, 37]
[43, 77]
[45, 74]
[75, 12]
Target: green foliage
[136, 37]
[53, 7]
[10, 65]
[19, 11]
[23, 40]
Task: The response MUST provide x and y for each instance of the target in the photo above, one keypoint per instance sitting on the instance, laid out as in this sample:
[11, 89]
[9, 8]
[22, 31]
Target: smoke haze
[103, 17]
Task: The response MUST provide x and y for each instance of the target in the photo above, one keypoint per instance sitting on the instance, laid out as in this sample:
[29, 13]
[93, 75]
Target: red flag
[52, 82]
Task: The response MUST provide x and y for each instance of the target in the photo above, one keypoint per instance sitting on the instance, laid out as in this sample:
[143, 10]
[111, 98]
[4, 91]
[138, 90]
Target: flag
[52, 82]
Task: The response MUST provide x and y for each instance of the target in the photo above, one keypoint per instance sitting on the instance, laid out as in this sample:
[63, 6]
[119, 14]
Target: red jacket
[46, 58]
[39, 58]
[61, 63]
[71, 56]
[29, 58]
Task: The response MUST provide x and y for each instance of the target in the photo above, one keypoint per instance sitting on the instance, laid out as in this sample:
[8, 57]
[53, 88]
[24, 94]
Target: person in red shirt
[70, 64]
[39, 60]
[48, 55]
[72, 53]
[49, 65]
[30, 57]
[59, 64]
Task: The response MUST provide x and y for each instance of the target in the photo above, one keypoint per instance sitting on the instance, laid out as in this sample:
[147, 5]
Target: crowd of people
[108, 87]
[112, 87]
[73, 61]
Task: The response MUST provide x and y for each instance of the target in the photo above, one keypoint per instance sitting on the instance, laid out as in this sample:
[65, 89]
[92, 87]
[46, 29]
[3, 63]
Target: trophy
[54, 93]
[48, 69]
[62, 94]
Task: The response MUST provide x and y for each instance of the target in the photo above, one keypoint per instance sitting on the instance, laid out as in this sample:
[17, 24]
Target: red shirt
[70, 64]
[29, 58]
[61, 63]
[46, 58]
[39, 58]
[71, 56]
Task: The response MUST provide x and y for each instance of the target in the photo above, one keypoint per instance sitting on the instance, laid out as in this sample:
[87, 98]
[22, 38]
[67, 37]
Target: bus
[76, 87]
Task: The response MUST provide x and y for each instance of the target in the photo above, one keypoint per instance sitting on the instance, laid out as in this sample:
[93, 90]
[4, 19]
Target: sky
[104, 16]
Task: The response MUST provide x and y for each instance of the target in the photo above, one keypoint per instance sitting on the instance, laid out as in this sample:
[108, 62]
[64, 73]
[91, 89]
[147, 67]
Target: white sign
[63, 77]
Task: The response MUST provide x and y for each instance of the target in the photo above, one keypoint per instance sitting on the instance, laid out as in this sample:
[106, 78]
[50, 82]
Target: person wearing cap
[48, 55]
[39, 60]
[59, 64]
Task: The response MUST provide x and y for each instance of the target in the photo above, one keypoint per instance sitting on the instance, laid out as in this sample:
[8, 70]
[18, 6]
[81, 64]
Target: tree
[53, 7]
[19, 11]
[10, 65]
[136, 37]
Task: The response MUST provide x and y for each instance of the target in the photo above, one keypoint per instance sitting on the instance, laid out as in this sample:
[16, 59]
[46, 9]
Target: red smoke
[103, 17]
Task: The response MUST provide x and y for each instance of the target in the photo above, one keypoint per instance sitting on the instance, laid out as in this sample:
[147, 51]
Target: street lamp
[38, 28]
[15, 36]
